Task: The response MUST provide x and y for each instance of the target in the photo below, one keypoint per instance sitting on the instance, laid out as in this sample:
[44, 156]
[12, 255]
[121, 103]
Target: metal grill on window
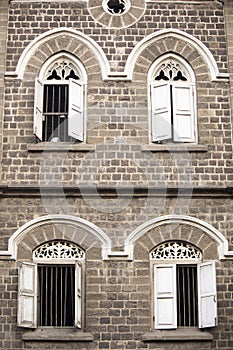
[56, 291]
[176, 250]
[187, 302]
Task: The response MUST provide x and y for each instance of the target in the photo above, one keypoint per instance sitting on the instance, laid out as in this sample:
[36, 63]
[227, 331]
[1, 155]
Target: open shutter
[27, 298]
[165, 311]
[78, 294]
[38, 109]
[76, 113]
[161, 112]
[183, 113]
[207, 299]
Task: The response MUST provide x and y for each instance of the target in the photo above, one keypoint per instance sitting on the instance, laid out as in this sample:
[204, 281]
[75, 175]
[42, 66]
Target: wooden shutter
[78, 295]
[38, 109]
[76, 113]
[165, 310]
[207, 299]
[183, 113]
[161, 112]
[27, 297]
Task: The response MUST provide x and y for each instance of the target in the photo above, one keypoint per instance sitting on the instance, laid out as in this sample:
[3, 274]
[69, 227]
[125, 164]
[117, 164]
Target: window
[184, 288]
[59, 102]
[173, 106]
[50, 288]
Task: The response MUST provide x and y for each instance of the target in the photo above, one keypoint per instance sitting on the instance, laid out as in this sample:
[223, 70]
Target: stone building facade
[116, 174]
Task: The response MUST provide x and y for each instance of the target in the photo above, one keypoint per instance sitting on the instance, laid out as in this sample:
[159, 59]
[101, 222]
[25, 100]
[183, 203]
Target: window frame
[78, 132]
[28, 293]
[173, 264]
[154, 138]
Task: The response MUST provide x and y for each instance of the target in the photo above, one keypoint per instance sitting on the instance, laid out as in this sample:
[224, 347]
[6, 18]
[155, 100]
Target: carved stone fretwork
[62, 70]
[171, 70]
[58, 250]
[176, 250]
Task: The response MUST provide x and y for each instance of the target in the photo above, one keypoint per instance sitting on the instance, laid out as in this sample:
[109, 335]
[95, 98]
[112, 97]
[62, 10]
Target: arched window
[184, 287]
[173, 101]
[59, 100]
[50, 287]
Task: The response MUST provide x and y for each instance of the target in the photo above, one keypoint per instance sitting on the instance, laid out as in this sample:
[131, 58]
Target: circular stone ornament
[116, 13]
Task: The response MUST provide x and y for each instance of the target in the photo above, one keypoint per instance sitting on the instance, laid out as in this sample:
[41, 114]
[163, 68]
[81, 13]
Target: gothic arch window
[184, 287]
[59, 100]
[173, 101]
[51, 287]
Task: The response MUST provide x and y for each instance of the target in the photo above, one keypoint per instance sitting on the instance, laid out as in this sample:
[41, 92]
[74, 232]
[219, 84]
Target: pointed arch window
[173, 101]
[59, 101]
[51, 288]
[184, 287]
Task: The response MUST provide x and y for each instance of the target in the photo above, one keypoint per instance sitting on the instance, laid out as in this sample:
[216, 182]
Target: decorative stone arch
[199, 233]
[58, 40]
[56, 227]
[172, 40]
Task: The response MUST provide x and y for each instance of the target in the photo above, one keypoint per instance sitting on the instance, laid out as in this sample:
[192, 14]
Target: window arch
[59, 100]
[173, 100]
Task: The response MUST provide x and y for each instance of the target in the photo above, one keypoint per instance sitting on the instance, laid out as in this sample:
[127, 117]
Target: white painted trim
[16, 238]
[177, 34]
[52, 34]
[179, 219]
[127, 74]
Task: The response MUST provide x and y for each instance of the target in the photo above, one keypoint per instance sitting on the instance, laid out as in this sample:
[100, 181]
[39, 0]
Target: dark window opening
[187, 300]
[55, 112]
[56, 295]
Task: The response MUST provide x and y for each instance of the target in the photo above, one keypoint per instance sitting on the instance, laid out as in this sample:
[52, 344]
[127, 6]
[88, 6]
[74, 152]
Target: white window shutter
[38, 109]
[78, 295]
[161, 112]
[165, 309]
[207, 296]
[183, 113]
[27, 298]
[76, 112]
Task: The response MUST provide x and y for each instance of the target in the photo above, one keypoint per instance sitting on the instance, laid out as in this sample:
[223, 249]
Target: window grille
[57, 295]
[187, 301]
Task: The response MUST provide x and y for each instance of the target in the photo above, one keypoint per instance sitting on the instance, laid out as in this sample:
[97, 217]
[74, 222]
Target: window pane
[56, 295]
[187, 312]
[55, 112]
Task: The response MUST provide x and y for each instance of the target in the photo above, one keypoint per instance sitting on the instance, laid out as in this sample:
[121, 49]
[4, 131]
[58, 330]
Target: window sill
[181, 334]
[59, 147]
[57, 335]
[171, 147]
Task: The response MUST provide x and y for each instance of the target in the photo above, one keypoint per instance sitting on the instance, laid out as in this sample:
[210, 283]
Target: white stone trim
[52, 34]
[77, 222]
[127, 74]
[177, 34]
[211, 231]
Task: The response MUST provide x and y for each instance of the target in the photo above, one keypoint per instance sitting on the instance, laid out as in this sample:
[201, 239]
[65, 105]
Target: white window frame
[165, 295]
[28, 291]
[167, 132]
[76, 108]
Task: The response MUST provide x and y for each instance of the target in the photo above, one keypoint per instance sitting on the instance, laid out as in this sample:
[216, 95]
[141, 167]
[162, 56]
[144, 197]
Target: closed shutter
[76, 113]
[161, 112]
[183, 113]
[165, 311]
[78, 295]
[38, 109]
[207, 299]
[27, 295]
